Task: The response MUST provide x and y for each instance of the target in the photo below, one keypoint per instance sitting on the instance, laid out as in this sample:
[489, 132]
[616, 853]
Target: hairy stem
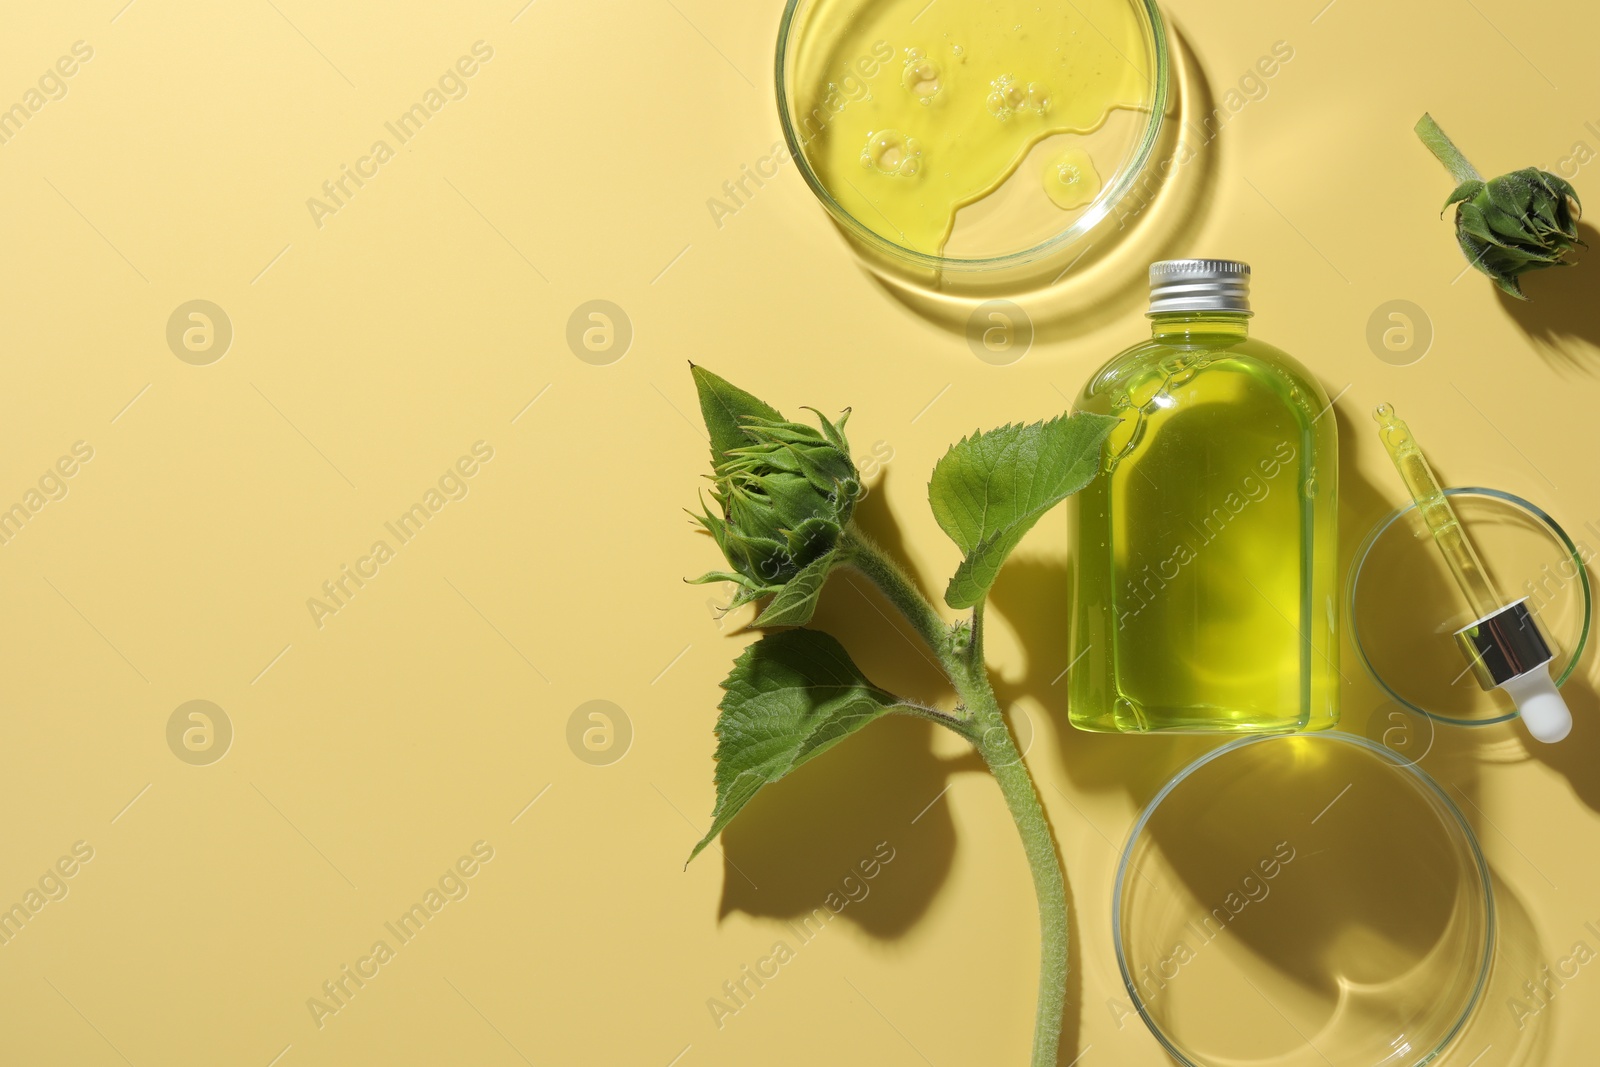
[1445, 150]
[859, 552]
[987, 730]
[943, 718]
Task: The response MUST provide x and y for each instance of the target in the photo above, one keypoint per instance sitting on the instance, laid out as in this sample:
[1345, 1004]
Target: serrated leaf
[796, 602]
[725, 407]
[790, 697]
[991, 488]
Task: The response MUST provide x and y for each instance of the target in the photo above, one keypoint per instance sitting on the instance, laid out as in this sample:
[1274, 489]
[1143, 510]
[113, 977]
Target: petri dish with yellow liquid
[1304, 900]
[964, 136]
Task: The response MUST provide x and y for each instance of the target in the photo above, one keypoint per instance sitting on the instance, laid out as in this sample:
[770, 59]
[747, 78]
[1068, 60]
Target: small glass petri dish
[1303, 900]
[1404, 608]
[880, 99]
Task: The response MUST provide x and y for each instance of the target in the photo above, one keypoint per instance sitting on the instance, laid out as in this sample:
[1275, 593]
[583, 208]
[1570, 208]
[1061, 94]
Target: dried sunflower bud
[785, 492]
[1507, 226]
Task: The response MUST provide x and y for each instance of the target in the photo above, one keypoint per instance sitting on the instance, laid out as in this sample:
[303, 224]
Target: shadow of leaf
[812, 840]
[801, 844]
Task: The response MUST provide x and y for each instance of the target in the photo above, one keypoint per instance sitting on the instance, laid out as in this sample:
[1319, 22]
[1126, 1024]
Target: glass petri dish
[1303, 900]
[1404, 608]
[834, 56]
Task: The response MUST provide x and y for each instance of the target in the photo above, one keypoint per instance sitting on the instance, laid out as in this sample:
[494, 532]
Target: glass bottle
[1204, 556]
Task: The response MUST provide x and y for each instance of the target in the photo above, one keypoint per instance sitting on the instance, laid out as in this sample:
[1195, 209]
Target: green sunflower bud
[1507, 226]
[784, 494]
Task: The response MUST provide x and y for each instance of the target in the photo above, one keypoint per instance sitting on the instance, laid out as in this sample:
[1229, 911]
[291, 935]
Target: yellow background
[425, 315]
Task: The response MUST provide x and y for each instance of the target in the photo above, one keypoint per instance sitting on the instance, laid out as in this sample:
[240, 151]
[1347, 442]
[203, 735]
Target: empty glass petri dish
[964, 137]
[1303, 900]
[1404, 608]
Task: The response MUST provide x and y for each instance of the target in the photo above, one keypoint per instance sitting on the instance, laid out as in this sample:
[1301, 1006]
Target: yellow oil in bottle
[1205, 553]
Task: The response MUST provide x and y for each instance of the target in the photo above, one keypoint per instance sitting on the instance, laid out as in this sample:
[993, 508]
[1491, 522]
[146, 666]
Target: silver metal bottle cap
[1199, 285]
[1504, 646]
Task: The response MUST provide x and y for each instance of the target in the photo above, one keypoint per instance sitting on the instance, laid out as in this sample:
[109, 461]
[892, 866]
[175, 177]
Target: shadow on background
[1034, 594]
[800, 844]
[1562, 312]
[1577, 758]
[802, 841]
[1520, 1039]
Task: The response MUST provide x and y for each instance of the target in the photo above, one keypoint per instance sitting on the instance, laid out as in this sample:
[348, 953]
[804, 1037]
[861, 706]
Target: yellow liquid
[923, 109]
[1205, 596]
[1070, 179]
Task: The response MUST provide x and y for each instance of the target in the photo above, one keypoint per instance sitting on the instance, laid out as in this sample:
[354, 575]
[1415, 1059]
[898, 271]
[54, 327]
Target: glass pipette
[1503, 645]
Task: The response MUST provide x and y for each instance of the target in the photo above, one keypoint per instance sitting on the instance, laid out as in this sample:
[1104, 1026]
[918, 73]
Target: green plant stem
[999, 751]
[986, 728]
[1445, 150]
[858, 551]
[943, 718]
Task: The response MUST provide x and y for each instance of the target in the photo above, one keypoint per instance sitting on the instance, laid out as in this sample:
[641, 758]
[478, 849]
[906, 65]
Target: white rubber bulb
[1543, 710]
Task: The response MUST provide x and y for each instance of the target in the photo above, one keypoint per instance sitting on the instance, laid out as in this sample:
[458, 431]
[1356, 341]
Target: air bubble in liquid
[893, 153]
[1008, 97]
[921, 76]
[1070, 179]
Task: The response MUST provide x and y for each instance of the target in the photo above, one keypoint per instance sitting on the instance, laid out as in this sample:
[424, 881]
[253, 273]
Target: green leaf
[1507, 226]
[1510, 284]
[790, 697]
[1465, 191]
[1471, 219]
[796, 602]
[991, 488]
[725, 407]
[717, 576]
[833, 433]
[1510, 193]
